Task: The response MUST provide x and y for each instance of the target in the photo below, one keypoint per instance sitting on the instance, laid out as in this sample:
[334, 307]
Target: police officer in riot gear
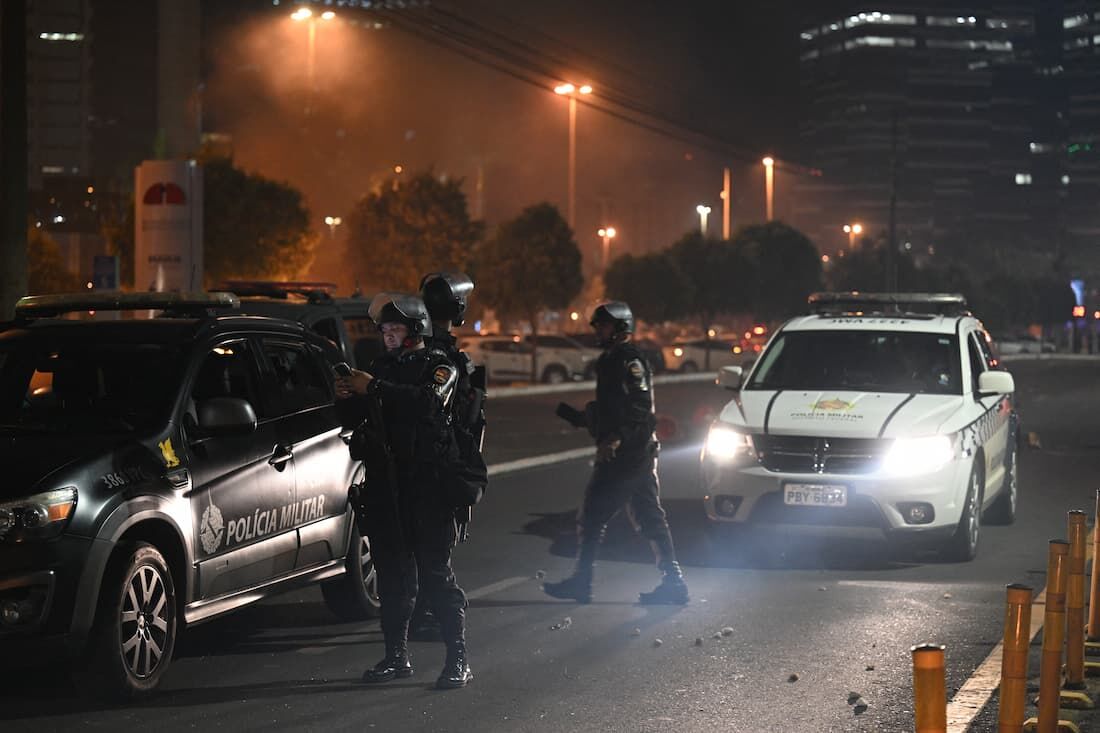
[623, 422]
[445, 295]
[402, 402]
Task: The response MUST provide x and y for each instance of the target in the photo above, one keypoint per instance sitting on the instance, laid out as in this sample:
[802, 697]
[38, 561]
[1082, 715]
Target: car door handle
[345, 435]
[279, 458]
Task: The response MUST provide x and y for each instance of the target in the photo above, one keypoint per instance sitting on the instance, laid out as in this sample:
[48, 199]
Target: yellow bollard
[1054, 636]
[1075, 612]
[929, 690]
[1017, 639]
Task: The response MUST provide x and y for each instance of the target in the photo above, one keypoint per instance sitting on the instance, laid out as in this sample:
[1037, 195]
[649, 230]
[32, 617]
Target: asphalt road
[840, 617]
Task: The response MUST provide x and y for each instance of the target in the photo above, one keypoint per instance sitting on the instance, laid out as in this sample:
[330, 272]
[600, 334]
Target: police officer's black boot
[456, 669]
[672, 589]
[395, 665]
[578, 586]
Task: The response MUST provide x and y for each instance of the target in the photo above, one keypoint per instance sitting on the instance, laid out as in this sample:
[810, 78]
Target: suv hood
[841, 414]
[27, 457]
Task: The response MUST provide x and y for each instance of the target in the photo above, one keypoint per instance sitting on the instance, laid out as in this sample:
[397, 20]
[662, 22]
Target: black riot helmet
[445, 295]
[617, 313]
[401, 308]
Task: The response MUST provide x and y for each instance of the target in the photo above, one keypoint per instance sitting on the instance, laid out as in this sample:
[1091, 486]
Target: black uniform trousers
[411, 550]
[635, 487]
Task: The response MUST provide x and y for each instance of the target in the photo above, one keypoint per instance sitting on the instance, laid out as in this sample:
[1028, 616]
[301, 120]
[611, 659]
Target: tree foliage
[532, 264]
[407, 228]
[253, 227]
[46, 271]
[718, 276]
[652, 284]
[786, 268]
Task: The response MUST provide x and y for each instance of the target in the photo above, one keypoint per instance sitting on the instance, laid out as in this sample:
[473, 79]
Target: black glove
[571, 415]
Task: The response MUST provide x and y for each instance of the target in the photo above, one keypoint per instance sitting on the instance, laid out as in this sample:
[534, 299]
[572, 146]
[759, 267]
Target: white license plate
[815, 495]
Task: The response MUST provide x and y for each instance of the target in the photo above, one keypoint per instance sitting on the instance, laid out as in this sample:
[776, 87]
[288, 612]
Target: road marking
[498, 469]
[976, 691]
[497, 587]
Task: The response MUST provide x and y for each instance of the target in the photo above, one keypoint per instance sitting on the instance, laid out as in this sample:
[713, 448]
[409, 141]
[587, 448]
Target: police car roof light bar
[872, 304]
[46, 306]
[315, 291]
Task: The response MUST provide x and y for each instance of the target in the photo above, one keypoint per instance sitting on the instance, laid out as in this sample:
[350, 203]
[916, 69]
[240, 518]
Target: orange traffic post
[1054, 637]
[929, 690]
[1092, 645]
[1075, 614]
[1017, 641]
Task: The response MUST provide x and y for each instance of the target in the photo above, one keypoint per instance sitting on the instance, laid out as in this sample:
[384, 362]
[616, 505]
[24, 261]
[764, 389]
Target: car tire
[354, 595]
[963, 545]
[134, 633]
[554, 374]
[689, 367]
[1003, 510]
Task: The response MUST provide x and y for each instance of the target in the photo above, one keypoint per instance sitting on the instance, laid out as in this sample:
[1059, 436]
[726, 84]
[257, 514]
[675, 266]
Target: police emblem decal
[211, 529]
[636, 369]
[168, 453]
[442, 374]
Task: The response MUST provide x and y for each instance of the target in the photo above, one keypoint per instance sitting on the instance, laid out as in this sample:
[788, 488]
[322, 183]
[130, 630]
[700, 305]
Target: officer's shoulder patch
[442, 374]
[634, 366]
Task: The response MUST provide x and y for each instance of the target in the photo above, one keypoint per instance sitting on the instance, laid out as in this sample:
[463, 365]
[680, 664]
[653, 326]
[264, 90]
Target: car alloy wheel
[370, 574]
[144, 620]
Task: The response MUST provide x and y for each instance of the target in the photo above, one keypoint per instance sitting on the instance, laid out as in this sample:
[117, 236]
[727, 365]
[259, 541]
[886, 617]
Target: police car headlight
[913, 456]
[37, 517]
[725, 444]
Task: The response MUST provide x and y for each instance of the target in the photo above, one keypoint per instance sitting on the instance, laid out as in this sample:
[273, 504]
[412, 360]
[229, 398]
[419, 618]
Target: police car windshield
[865, 361]
[48, 385]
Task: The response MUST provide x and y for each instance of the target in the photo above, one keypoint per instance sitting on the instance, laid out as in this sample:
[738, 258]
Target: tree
[652, 284]
[407, 228]
[531, 265]
[718, 276]
[253, 227]
[46, 272]
[786, 267]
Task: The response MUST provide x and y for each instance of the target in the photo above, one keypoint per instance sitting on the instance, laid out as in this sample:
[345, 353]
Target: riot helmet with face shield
[445, 295]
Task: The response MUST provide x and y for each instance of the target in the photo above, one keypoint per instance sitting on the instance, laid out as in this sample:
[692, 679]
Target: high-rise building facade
[958, 109]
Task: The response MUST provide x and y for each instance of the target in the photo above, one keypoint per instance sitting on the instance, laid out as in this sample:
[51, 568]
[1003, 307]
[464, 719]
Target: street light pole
[703, 211]
[571, 91]
[726, 196]
[333, 222]
[769, 185]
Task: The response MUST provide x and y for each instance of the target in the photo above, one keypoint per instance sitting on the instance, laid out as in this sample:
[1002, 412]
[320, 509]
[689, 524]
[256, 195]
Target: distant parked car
[1024, 343]
[691, 356]
[560, 359]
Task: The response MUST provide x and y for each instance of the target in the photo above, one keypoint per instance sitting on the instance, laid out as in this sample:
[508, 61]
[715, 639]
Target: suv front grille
[806, 454]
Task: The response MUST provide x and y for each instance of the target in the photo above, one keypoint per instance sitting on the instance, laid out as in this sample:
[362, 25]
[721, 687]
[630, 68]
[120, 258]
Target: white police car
[879, 414]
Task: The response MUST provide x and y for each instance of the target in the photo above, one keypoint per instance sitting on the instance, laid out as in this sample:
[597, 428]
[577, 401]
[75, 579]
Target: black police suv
[161, 472]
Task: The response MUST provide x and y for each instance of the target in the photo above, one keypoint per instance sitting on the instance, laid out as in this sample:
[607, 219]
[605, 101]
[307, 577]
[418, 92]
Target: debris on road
[540, 574]
[698, 641]
[822, 588]
[727, 631]
[793, 677]
[947, 595]
[869, 668]
[716, 635]
[657, 642]
[565, 623]
[636, 632]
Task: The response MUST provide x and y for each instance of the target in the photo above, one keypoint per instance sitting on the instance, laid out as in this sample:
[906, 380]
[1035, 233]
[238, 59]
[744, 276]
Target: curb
[505, 392]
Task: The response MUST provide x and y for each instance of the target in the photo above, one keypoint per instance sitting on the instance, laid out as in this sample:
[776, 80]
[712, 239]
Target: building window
[995, 46]
[809, 55]
[945, 20]
[809, 34]
[1065, 180]
[881, 41]
[1040, 148]
[1073, 43]
[1005, 24]
[877, 18]
[1075, 20]
[1023, 179]
[61, 36]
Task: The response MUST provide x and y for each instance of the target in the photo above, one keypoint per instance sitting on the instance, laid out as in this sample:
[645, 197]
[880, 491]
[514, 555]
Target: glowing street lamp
[703, 211]
[565, 89]
[305, 14]
[769, 185]
[852, 230]
[607, 234]
[333, 222]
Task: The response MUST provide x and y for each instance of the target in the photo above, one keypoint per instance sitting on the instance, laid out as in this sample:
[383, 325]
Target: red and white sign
[168, 226]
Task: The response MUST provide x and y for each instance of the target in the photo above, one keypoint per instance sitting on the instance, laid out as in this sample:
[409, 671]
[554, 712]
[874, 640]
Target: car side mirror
[225, 416]
[729, 377]
[990, 383]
